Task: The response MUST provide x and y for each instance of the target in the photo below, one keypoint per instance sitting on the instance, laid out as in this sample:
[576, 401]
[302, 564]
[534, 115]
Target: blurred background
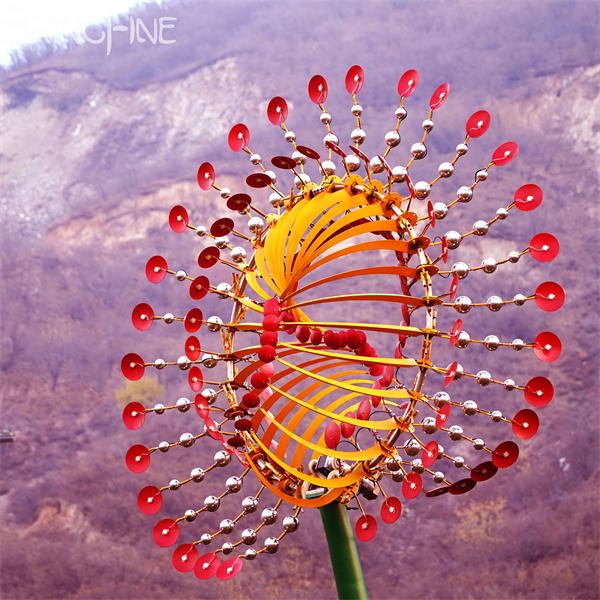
[102, 133]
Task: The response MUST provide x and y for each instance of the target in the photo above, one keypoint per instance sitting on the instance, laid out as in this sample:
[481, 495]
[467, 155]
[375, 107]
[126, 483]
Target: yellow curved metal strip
[396, 298]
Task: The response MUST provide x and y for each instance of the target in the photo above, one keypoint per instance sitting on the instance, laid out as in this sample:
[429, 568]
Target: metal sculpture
[319, 396]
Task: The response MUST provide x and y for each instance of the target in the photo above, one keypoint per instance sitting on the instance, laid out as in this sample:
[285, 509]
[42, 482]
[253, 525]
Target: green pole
[345, 562]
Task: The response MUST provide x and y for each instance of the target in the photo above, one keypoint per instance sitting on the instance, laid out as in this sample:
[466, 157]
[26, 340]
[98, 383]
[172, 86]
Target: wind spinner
[328, 393]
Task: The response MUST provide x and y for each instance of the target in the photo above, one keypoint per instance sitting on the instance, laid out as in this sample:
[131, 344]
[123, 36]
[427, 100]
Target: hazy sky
[24, 21]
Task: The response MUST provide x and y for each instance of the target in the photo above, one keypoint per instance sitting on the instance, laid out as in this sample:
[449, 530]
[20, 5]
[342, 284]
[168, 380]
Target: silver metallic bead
[222, 242]
[209, 395]
[438, 476]
[519, 299]
[517, 344]
[331, 137]
[328, 168]
[478, 444]
[392, 138]
[290, 524]
[325, 118]
[272, 175]
[458, 462]
[489, 265]
[455, 432]
[301, 180]
[480, 227]
[400, 113]
[399, 174]
[441, 398]
[238, 254]
[186, 440]
[269, 516]
[352, 162]
[163, 446]
[225, 193]
[190, 515]
[271, 545]
[356, 110]
[197, 475]
[206, 538]
[417, 466]
[289, 136]
[234, 484]
[463, 304]
[249, 536]
[201, 231]
[376, 165]
[427, 125]
[184, 363]
[463, 340]
[255, 225]
[358, 136]
[496, 416]
[469, 408]
[174, 484]
[481, 175]
[418, 150]
[514, 256]
[509, 385]
[412, 448]
[222, 458]
[214, 323]
[398, 476]
[453, 239]
[502, 213]
[440, 452]
[181, 275]
[494, 303]
[461, 269]
[422, 189]
[168, 318]
[249, 505]
[223, 290]
[440, 210]
[275, 200]
[255, 159]
[429, 425]
[483, 378]
[459, 372]
[227, 548]
[212, 503]
[250, 554]
[462, 149]
[299, 157]
[464, 194]
[159, 364]
[226, 526]
[445, 170]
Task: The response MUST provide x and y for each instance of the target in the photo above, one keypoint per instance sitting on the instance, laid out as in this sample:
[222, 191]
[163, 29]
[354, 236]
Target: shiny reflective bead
[250, 554]
[418, 150]
[249, 505]
[325, 118]
[222, 242]
[458, 462]
[438, 476]
[168, 318]
[481, 175]
[197, 475]
[206, 538]
[422, 189]
[398, 476]
[328, 168]
[459, 372]
[184, 363]
[356, 110]
[210, 361]
[464, 194]
[275, 200]
[502, 213]
[463, 340]
[238, 254]
[272, 175]
[299, 157]
[227, 548]
[399, 174]
[290, 524]
[212, 503]
[181, 275]
[455, 433]
[187, 440]
[427, 125]
[222, 458]
[445, 170]
[376, 165]
[269, 516]
[225, 193]
[201, 231]
[494, 303]
[514, 256]
[469, 408]
[441, 398]
[301, 180]
[440, 452]
[214, 323]
[440, 210]
[223, 290]
[453, 239]
[483, 378]
[391, 464]
[417, 466]
[462, 149]
[159, 364]
[392, 138]
[249, 536]
[400, 113]
[331, 137]
[190, 515]
[209, 395]
[478, 444]
[255, 159]
[255, 225]
[358, 136]
[352, 162]
[496, 416]
[429, 425]
[159, 408]
[519, 299]
[461, 269]
[412, 448]
[271, 545]
[226, 526]
[509, 385]
[289, 136]
[234, 484]
[480, 227]
[489, 265]
[517, 344]
[463, 304]
[164, 446]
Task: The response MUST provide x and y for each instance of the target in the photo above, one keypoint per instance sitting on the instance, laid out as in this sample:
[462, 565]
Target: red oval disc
[192, 348]
[391, 509]
[208, 257]
[230, 568]
[239, 202]
[462, 486]
[206, 566]
[308, 152]
[360, 154]
[438, 491]
[505, 455]
[149, 500]
[549, 296]
[478, 123]
[528, 197]
[444, 250]
[178, 219]
[332, 435]
[525, 424]
[243, 424]
[442, 417]
[355, 77]
[239, 136]
[284, 162]
[201, 406]
[132, 366]
[347, 429]
[450, 373]
[195, 378]
[221, 227]
[137, 458]
[335, 148]
[412, 485]
[364, 410]
[134, 415]
[453, 287]
[408, 83]
[206, 176]
[235, 441]
[430, 213]
[199, 288]
[317, 90]
[366, 528]
[439, 96]
[277, 110]
[185, 557]
[258, 180]
[156, 269]
[547, 346]
[193, 320]
[430, 454]
[456, 331]
[505, 153]
[538, 392]
[544, 247]
[484, 471]
[212, 428]
[142, 317]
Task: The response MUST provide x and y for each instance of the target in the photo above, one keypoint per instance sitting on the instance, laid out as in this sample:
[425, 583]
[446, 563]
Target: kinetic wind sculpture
[314, 399]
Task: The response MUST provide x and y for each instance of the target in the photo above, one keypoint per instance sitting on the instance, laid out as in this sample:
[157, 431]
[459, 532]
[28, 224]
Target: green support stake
[349, 579]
